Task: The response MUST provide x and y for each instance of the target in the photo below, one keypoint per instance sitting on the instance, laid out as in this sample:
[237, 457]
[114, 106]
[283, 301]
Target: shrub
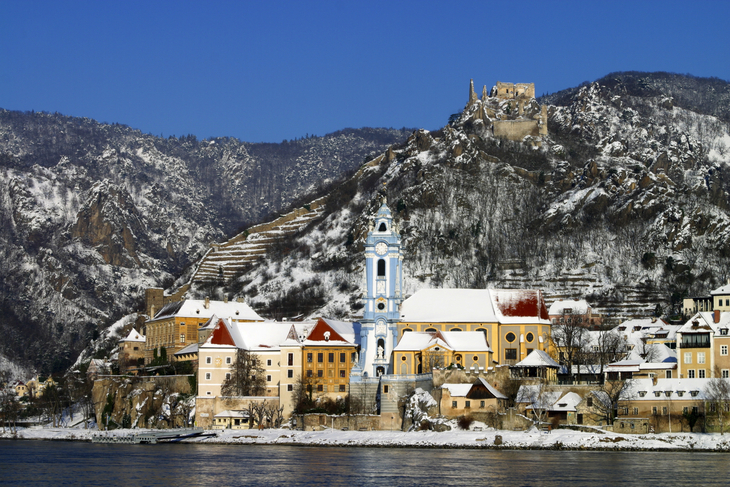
[464, 422]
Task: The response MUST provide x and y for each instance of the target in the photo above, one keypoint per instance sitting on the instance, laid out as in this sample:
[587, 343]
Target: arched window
[455, 329]
[406, 330]
[382, 227]
[381, 268]
[431, 330]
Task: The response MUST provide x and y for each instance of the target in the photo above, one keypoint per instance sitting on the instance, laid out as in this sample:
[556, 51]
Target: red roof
[319, 330]
[221, 335]
[520, 302]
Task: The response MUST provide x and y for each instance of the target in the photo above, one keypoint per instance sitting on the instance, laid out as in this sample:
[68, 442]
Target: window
[290, 359]
[309, 358]
[207, 376]
[331, 358]
[228, 376]
[701, 373]
[320, 373]
[685, 410]
[342, 387]
[381, 268]
[657, 393]
[691, 374]
[510, 354]
[289, 387]
[725, 373]
[290, 373]
[320, 357]
[481, 404]
[386, 389]
[343, 357]
[668, 374]
[467, 404]
[589, 402]
[268, 363]
[687, 357]
[228, 360]
[723, 350]
[309, 373]
[700, 357]
[342, 373]
[268, 378]
[453, 404]
[529, 337]
[208, 360]
[636, 411]
[510, 337]
[320, 388]
[653, 410]
[664, 410]
[723, 331]
[182, 337]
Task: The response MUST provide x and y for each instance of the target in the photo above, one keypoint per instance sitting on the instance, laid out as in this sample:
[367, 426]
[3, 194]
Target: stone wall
[516, 129]
[354, 422]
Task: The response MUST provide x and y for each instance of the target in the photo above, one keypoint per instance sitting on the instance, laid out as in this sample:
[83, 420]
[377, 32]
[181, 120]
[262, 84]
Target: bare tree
[247, 376]
[608, 396]
[609, 347]
[9, 408]
[570, 338]
[717, 393]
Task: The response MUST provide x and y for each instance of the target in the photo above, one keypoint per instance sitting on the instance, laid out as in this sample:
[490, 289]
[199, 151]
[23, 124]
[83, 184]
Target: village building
[717, 299]
[176, 325]
[421, 352]
[329, 353]
[131, 352]
[578, 311]
[513, 321]
[702, 346]
[471, 399]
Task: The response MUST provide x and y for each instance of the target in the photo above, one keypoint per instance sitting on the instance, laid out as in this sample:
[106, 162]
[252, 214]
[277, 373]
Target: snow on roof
[678, 389]
[535, 397]
[537, 358]
[266, 336]
[579, 307]
[228, 413]
[475, 306]
[566, 403]
[449, 305]
[457, 341]
[192, 348]
[491, 388]
[457, 390]
[704, 321]
[134, 336]
[721, 290]
[196, 308]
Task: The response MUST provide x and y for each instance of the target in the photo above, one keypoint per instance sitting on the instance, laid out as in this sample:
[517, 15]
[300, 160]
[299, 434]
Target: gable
[318, 333]
[221, 335]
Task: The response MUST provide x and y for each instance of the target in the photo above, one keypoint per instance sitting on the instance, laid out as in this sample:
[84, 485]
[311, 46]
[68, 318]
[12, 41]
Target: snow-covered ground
[475, 438]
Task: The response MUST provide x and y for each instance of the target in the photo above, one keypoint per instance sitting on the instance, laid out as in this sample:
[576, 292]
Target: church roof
[509, 306]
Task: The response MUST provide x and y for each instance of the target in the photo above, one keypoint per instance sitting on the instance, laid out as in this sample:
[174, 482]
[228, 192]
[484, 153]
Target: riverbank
[560, 439]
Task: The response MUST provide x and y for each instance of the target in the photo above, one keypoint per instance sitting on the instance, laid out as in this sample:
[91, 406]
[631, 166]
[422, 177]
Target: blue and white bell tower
[384, 291]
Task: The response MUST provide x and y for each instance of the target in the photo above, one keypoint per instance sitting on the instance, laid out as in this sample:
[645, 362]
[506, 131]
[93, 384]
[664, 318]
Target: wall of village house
[496, 336]
[453, 407]
[720, 356]
[663, 414]
[327, 369]
[354, 422]
[694, 363]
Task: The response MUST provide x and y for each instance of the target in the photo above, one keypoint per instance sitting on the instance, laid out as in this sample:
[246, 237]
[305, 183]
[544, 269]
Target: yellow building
[421, 352]
[464, 399]
[513, 321]
[702, 346]
[328, 354]
[176, 325]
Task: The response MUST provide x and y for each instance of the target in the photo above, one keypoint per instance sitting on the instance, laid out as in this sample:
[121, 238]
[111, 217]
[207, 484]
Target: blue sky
[274, 70]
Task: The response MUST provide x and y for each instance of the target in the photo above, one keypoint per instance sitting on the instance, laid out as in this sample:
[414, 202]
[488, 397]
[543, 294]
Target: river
[78, 463]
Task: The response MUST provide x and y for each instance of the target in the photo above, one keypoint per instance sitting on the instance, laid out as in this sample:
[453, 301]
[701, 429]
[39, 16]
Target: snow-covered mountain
[92, 214]
[624, 202]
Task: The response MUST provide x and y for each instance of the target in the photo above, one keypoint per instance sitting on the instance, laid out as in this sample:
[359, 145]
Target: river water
[78, 463]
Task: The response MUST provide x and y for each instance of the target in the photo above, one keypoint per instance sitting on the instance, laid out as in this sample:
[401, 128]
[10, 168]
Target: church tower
[384, 291]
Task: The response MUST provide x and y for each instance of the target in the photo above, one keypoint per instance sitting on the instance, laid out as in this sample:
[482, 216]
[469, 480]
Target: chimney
[717, 316]
[654, 380]
[207, 302]
[152, 311]
[225, 298]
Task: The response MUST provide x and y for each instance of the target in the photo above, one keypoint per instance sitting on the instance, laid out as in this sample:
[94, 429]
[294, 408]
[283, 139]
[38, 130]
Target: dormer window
[667, 393]
[694, 393]
[680, 393]
[642, 393]
[723, 331]
[657, 393]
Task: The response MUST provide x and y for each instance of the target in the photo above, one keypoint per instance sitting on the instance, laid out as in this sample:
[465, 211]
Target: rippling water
[76, 463]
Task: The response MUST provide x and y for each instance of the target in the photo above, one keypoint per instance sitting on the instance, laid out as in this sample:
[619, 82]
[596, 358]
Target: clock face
[381, 248]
